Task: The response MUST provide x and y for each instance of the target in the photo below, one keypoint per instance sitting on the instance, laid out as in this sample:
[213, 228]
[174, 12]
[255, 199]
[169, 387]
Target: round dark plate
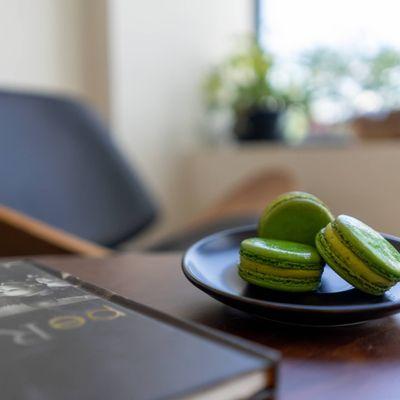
[211, 265]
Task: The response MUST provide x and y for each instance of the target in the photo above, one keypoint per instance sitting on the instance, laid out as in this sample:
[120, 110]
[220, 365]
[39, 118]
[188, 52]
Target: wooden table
[359, 362]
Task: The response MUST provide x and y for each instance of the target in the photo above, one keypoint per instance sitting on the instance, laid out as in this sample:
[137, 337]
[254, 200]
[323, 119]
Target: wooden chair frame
[21, 235]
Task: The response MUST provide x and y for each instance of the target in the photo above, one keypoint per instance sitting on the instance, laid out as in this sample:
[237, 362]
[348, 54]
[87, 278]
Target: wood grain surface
[355, 362]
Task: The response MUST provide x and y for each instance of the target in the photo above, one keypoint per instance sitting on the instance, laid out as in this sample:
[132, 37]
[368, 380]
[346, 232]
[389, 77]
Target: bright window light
[289, 27]
[346, 53]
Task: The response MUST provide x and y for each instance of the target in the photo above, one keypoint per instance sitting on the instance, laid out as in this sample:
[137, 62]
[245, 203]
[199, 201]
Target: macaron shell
[369, 245]
[349, 266]
[284, 252]
[276, 283]
[294, 216]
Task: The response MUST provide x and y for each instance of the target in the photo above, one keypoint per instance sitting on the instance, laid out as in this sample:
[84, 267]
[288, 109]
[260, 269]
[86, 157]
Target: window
[344, 54]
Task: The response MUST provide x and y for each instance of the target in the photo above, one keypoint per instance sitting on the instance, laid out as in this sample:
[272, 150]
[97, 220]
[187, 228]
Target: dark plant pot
[257, 124]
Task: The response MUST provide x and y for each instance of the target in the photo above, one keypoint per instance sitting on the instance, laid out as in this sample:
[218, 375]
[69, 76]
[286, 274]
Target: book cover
[66, 339]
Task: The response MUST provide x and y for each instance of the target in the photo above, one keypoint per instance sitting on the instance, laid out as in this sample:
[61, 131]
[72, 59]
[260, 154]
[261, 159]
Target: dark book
[61, 338]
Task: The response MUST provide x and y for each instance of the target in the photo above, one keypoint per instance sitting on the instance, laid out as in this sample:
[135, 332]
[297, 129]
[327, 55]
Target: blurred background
[202, 95]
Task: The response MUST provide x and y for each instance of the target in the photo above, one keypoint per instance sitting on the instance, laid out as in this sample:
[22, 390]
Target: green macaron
[359, 254]
[280, 265]
[294, 216]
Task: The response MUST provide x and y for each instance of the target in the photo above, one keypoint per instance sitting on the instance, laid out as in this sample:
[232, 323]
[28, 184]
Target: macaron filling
[265, 267]
[282, 264]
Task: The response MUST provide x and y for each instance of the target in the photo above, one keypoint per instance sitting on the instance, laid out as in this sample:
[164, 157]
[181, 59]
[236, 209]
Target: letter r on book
[30, 335]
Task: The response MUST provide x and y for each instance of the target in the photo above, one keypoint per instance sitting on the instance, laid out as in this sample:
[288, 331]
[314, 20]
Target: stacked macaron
[294, 216]
[284, 256]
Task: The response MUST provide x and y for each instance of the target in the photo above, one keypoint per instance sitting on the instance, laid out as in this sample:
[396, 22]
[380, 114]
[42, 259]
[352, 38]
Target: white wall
[360, 179]
[159, 53]
[141, 63]
[55, 46]
[40, 44]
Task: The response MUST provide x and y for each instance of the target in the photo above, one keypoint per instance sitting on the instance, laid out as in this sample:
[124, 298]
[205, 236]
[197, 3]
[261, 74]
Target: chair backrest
[58, 164]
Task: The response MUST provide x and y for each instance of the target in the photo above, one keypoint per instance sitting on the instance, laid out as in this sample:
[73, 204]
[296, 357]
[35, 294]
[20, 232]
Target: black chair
[59, 165]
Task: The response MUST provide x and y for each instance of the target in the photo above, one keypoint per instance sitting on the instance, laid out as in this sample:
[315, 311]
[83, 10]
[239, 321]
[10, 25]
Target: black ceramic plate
[211, 265]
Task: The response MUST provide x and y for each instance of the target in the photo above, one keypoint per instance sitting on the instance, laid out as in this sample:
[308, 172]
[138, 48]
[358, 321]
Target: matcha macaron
[294, 216]
[359, 254]
[280, 265]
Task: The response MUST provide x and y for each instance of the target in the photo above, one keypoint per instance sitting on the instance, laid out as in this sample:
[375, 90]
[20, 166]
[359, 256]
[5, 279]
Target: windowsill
[311, 143]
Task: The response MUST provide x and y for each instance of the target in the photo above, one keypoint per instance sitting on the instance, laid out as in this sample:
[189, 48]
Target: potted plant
[242, 85]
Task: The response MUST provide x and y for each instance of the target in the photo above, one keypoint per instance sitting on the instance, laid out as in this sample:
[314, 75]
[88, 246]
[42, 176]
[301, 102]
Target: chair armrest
[242, 205]
[249, 197]
[21, 235]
